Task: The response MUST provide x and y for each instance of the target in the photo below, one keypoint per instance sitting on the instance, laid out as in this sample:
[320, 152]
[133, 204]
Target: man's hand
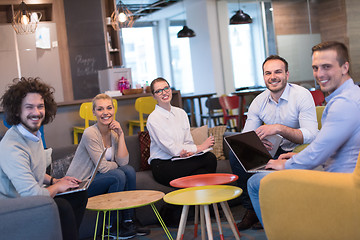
[279, 164]
[267, 130]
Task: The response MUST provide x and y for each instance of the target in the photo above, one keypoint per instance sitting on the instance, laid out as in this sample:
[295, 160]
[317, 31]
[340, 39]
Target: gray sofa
[17, 214]
[29, 218]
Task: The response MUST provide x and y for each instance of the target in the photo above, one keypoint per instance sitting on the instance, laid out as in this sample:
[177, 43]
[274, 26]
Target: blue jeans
[238, 170]
[253, 187]
[120, 179]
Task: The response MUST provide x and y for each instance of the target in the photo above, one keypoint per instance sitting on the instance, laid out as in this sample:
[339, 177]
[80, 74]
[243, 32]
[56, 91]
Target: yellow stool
[144, 105]
[204, 196]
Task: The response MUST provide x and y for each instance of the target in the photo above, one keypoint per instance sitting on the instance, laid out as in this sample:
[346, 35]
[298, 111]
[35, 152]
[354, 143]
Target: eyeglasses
[160, 91]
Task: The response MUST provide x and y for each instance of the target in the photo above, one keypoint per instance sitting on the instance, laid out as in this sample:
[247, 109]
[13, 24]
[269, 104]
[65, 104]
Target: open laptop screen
[249, 149]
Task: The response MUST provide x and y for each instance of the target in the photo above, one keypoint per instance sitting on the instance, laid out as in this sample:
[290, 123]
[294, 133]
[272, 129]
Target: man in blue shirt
[337, 145]
[283, 108]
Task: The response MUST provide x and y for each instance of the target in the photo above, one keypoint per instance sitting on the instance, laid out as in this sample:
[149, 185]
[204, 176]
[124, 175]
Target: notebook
[251, 152]
[84, 185]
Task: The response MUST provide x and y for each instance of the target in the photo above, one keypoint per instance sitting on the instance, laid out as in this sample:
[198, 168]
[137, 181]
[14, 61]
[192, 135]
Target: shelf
[45, 10]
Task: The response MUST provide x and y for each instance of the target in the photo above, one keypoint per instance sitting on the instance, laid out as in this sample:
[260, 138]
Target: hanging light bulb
[24, 21]
[121, 17]
[240, 17]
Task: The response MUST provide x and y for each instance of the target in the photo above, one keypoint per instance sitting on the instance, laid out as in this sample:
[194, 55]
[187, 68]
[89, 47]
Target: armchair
[308, 204]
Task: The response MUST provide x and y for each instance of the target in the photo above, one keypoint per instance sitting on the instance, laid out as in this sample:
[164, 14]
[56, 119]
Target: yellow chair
[308, 204]
[87, 114]
[319, 112]
[143, 105]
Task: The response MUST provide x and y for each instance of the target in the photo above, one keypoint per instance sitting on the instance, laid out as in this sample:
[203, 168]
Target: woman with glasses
[169, 131]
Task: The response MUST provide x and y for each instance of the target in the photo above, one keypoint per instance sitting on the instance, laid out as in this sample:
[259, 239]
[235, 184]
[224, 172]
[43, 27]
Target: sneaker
[248, 220]
[132, 226]
[123, 233]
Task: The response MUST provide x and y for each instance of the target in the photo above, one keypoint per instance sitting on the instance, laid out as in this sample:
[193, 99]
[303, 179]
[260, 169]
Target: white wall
[33, 62]
[207, 66]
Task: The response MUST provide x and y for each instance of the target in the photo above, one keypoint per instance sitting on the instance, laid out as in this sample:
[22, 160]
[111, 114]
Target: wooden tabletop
[123, 200]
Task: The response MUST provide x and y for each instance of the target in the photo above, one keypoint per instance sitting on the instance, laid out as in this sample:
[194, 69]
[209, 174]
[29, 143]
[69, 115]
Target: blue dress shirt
[337, 145]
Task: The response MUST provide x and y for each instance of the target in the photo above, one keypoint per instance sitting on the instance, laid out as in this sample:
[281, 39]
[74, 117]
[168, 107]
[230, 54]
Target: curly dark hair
[12, 99]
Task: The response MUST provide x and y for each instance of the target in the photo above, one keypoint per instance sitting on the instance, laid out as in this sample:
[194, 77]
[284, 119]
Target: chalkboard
[85, 32]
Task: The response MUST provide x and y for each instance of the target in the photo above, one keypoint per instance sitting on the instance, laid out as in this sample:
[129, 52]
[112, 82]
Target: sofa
[31, 218]
[25, 209]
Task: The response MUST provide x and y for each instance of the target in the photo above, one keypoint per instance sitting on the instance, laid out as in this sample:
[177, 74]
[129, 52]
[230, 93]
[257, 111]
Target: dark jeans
[71, 209]
[238, 170]
[164, 171]
[120, 179]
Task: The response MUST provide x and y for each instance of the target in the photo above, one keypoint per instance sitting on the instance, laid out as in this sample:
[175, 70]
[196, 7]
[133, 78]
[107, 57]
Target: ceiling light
[240, 17]
[186, 32]
[25, 21]
[121, 17]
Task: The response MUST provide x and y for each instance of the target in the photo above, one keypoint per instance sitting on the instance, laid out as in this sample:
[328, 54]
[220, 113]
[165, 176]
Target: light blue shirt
[28, 134]
[337, 145]
[295, 109]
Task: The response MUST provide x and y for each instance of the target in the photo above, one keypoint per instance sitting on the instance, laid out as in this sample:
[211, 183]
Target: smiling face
[275, 76]
[32, 112]
[104, 111]
[327, 71]
[162, 93]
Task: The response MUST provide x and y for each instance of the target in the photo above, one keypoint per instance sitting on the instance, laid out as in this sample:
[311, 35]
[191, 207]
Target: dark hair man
[285, 109]
[28, 104]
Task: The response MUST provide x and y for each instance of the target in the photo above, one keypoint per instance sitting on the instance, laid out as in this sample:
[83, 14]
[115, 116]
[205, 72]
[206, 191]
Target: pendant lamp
[240, 17]
[186, 32]
[24, 21]
[121, 17]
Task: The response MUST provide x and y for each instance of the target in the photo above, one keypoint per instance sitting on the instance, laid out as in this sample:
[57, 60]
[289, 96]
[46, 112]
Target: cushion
[218, 133]
[60, 166]
[199, 134]
[144, 140]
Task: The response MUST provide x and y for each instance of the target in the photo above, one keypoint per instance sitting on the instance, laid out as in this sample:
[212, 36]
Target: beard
[32, 128]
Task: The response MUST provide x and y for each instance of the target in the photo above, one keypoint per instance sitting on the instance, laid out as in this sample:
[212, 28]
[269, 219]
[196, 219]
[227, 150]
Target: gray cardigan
[88, 152]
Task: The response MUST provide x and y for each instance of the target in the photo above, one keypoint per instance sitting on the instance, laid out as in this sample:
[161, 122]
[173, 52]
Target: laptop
[84, 185]
[251, 152]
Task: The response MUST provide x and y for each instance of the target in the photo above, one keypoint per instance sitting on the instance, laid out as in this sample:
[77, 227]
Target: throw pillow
[199, 134]
[144, 140]
[59, 167]
[218, 133]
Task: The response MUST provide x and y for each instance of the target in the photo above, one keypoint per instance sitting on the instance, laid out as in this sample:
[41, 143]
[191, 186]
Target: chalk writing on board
[85, 66]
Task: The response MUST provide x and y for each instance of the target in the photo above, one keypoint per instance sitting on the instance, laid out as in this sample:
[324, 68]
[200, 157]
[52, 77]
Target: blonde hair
[101, 96]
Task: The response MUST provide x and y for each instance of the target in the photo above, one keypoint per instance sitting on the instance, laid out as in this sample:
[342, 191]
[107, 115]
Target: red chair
[318, 97]
[228, 104]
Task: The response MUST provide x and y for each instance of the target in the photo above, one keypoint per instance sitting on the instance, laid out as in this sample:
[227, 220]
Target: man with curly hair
[28, 104]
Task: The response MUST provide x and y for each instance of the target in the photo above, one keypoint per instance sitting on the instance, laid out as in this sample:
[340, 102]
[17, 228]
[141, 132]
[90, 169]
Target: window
[139, 54]
[181, 61]
[247, 47]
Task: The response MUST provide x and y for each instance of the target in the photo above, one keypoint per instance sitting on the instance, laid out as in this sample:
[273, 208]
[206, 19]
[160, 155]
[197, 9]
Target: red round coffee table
[205, 180]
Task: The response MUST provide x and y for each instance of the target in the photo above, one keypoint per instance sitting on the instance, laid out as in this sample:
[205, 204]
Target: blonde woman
[114, 174]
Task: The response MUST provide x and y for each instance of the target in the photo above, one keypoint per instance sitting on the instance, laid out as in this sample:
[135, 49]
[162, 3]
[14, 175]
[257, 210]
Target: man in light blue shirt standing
[337, 145]
[283, 108]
